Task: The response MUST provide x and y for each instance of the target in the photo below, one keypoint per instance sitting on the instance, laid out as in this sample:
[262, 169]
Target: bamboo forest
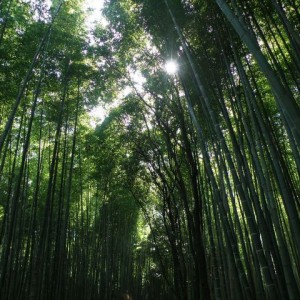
[149, 149]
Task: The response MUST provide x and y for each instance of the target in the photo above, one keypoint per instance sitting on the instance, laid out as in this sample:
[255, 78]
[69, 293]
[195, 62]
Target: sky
[95, 15]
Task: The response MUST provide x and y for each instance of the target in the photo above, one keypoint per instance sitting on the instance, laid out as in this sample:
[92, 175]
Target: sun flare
[171, 67]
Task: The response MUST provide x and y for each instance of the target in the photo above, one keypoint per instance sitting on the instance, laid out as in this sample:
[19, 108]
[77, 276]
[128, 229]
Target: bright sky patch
[94, 11]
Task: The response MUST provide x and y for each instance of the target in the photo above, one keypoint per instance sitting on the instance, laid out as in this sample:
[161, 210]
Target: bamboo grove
[190, 186]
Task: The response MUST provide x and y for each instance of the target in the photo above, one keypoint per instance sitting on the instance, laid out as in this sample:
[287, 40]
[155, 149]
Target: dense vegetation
[188, 189]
